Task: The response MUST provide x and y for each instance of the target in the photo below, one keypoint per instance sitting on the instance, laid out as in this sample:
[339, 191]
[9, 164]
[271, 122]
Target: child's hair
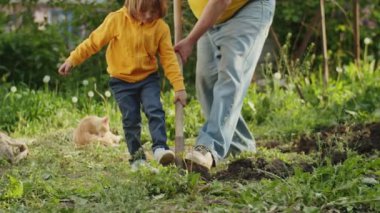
[138, 6]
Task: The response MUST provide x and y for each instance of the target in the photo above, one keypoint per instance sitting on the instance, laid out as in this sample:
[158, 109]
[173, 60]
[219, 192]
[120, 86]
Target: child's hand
[65, 68]
[180, 96]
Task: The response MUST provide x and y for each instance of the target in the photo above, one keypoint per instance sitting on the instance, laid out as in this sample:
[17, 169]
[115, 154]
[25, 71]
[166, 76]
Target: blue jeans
[227, 55]
[130, 97]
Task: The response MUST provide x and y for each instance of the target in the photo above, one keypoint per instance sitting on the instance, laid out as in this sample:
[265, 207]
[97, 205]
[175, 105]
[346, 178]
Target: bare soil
[363, 138]
[251, 169]
[331, 142]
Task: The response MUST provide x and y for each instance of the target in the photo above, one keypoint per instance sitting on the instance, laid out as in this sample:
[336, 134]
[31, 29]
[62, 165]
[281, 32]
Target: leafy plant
[11, 189]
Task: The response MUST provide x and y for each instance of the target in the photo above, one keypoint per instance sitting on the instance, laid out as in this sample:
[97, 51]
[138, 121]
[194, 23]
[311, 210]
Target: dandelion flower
[13, 89]
[367, 41]
[339, 69]
[74, 99]
[277, 75]
[46, 79]
[85, 82]
[107, 94]
[90, 94]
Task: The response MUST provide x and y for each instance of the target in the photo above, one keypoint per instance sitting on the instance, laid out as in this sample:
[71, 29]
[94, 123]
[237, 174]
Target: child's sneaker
[138, 164]
[164, 157]
[199, 159]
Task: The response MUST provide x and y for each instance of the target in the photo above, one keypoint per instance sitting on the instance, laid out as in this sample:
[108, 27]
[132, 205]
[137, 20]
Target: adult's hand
[184, 49]
[212, 11]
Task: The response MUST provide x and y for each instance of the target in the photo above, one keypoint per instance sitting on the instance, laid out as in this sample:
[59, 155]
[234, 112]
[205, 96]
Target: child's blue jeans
[130, 98]
[227, 55]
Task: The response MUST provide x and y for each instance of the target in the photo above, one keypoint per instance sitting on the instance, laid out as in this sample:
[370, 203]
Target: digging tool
[179, 138]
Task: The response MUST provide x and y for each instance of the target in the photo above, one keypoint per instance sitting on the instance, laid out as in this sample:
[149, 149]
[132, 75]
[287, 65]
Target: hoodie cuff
[73, 62]
[178, 85]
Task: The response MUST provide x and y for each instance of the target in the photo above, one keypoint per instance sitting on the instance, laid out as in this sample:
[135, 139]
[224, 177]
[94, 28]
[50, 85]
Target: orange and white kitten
[95, 129]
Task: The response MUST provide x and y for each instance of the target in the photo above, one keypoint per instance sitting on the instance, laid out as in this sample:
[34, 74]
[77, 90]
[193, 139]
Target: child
[135, 34]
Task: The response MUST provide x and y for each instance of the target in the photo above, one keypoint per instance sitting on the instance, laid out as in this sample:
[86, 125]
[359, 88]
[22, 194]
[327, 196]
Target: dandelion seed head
[107, 94]
[339, 69]
[74, 99]
[90, 94]
[277, 75]
[85, 82]
[367, 41]
[13, 89]
[46, 79]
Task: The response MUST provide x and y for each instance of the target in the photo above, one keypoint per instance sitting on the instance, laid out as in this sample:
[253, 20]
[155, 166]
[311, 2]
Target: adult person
[230, 35]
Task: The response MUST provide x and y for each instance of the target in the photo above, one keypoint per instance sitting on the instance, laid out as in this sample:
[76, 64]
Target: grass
[56, 177]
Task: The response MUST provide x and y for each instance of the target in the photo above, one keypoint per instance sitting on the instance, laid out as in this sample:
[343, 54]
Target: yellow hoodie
[132, 49]
[197, 6]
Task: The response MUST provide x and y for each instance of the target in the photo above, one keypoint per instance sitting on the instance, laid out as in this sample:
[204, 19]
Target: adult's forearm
[210, 15]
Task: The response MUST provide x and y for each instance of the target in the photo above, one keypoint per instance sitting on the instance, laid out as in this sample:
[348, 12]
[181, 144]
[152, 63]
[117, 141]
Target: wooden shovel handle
[179, 117]
[179, 137]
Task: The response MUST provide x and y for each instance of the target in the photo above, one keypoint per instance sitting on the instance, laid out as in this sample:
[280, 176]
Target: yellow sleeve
[169, 60]
[96, 40]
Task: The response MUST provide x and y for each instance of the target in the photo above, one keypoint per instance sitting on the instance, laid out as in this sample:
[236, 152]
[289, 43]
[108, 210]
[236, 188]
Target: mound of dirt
[331, 142]
[367, 138]
[363, 138]
[248, 169]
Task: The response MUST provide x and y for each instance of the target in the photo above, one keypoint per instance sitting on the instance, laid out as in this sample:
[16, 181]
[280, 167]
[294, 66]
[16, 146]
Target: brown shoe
[199, 159]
